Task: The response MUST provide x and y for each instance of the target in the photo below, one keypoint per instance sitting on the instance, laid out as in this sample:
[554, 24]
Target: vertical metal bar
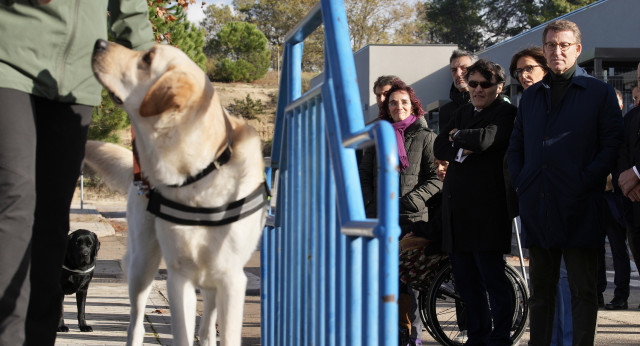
[370, 325]
[332, 315]
[312, 180]
[296, 227]
[388, 232]
[265, 281]
[343, 293]
[304, 213]
[322, 337]
[354, 290]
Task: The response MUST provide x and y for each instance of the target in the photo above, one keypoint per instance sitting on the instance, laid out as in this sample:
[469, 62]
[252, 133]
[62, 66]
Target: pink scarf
[399, 128]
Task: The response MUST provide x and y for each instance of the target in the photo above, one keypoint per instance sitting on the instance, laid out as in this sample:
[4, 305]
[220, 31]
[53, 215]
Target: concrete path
[108, 303]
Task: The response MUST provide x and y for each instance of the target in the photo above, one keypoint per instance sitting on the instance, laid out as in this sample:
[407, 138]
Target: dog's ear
[170, 92]
[96, 246]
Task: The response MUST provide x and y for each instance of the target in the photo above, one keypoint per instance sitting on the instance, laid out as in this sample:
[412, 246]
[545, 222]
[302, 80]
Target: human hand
[408, 235]
[451, 134]
[466, 152]
[634, 194]
[627, 181]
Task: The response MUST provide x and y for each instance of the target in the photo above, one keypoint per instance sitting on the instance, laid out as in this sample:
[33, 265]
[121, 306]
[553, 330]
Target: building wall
[424, 67]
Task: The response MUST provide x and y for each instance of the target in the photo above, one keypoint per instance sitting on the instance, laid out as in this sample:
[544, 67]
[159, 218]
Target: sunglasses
[485, 85]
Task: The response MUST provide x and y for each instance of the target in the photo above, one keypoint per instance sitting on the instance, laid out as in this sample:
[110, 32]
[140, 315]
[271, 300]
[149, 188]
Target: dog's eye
[148, 57]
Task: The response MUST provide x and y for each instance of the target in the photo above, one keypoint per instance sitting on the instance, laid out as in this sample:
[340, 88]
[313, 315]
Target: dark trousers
[41, 150]
[476, 274]
[617, 235]
[544, 269]
[633, 235]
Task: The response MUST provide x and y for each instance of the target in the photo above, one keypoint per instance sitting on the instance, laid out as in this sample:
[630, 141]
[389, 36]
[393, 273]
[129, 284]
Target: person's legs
[621, 266]
[473, 292]
[582, 265]
[62, 133]
[633, 236]
[544, 270]
[602, 272]
[492, 269]
[414, 316]
[17, 203]
[563, 322]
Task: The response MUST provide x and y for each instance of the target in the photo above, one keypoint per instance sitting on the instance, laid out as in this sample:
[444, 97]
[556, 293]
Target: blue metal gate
[329, 276]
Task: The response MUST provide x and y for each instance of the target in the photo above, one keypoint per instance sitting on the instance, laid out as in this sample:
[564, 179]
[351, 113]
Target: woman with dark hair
[528, 66]
[418, 178]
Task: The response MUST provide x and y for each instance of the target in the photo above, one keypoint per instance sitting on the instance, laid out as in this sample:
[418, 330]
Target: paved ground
[108, 304]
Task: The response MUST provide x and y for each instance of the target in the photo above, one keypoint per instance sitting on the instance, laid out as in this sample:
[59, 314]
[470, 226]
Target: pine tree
[170, 26]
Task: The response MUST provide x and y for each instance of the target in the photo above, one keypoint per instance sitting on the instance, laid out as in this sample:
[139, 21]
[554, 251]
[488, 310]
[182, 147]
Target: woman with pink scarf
[418, 178]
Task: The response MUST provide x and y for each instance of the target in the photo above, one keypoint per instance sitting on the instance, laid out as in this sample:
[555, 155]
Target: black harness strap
[195, 216]
[219, 161]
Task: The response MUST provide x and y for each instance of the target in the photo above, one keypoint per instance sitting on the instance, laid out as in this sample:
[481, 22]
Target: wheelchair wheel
[442, 309]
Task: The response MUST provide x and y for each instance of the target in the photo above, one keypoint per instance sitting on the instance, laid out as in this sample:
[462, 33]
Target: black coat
[458, 98]
[418, 183]
[431, 229]
[474, 207]
[628, 157]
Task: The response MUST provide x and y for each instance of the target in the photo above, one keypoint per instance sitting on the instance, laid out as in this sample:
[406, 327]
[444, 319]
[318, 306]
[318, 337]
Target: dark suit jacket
[458, 98]
[628, 157]
[474, 207]
[559, 159]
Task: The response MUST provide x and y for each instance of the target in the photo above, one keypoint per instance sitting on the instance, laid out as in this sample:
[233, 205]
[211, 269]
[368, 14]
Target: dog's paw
[86, 328]
[63, 329]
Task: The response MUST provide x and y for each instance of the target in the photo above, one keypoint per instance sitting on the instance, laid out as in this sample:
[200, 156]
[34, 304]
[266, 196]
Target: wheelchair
[442, 309]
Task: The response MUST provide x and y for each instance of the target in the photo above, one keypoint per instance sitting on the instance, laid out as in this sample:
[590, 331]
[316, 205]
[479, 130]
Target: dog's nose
[100, 46]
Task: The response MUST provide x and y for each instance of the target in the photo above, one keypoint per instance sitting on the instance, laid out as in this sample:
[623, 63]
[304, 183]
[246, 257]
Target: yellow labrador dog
[206, 210]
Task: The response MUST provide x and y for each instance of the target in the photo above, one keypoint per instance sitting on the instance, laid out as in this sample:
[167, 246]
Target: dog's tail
[112, 163]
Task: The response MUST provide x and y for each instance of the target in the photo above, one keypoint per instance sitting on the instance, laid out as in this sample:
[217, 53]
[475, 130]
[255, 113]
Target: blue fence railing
[329, 276]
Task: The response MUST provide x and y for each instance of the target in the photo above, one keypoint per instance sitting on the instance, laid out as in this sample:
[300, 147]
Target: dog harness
[197, 216]
[78, 271]
[202, 216]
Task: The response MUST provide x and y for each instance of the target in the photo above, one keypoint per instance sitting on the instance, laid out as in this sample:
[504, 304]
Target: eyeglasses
[563, 45]
[528, 69]
[396, 103]
[485, 85]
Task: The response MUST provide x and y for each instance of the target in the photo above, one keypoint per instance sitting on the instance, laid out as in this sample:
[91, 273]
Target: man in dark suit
[628, 177]
[459, 61]
[564, 144]
[476, 225]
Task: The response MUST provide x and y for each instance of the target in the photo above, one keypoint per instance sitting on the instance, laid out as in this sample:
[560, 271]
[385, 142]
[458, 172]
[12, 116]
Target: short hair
[562, 25]
[458, 53]
[534, 52]
[487, 69]
[383, 81]
[399, 85]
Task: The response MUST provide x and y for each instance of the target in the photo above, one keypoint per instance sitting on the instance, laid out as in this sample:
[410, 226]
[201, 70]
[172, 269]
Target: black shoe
[617, 304]
[600, 301]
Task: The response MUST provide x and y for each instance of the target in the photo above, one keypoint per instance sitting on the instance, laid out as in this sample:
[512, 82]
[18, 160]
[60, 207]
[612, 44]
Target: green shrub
[247, 108]
[241, 53]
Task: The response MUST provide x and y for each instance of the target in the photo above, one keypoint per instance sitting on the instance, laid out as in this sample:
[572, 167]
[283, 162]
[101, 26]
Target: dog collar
[78, 271]
[195, 216]
[215, 164]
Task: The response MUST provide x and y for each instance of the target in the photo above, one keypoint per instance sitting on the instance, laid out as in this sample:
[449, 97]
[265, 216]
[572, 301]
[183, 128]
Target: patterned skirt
[417, 270]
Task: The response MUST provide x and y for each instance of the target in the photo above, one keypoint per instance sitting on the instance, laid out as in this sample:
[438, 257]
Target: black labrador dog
[77, 272]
